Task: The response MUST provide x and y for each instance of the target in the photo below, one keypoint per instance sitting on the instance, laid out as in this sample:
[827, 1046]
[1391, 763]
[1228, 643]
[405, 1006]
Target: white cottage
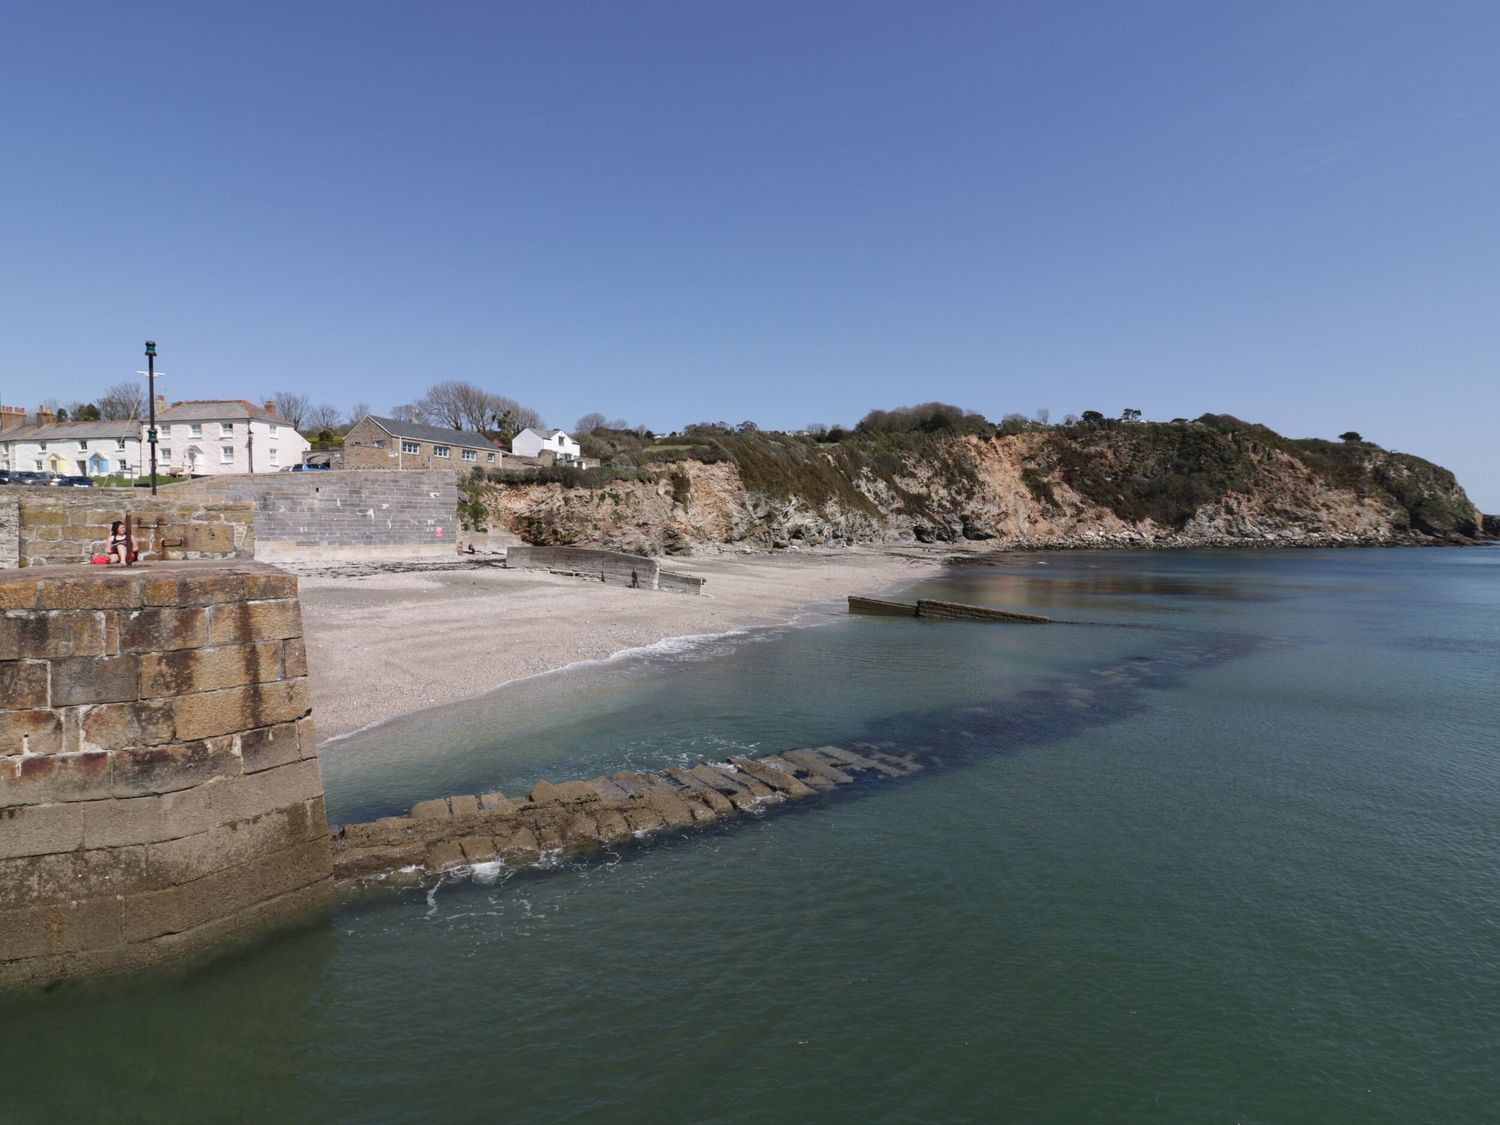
[529, 443]
[82, 449]
[218, 436]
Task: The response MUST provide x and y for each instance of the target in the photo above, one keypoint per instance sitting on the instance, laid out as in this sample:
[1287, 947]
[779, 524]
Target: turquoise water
[1228, 852]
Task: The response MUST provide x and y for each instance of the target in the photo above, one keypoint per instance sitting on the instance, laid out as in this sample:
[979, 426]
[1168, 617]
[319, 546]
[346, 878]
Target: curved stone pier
[159, 784]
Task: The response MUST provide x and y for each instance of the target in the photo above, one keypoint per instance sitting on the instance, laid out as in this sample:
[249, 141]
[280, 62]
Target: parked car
[8, 477]
[75, 482]
[25, 476]
[54, 479]
[305, 469]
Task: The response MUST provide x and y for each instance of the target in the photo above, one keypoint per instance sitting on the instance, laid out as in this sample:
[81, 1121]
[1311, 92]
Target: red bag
[100, 560]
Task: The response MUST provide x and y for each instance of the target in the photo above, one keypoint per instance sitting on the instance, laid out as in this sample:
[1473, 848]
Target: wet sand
[386, 640]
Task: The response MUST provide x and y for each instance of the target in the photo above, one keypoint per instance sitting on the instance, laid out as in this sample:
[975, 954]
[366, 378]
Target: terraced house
[385, 443]
[86, 449]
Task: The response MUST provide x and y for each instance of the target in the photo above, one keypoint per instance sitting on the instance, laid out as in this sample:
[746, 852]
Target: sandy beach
[385, 641]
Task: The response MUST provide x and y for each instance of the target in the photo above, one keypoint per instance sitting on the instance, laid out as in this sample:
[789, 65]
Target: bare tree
[291, 407]
[444, 403]
[122, 402]
[1043, 415]
[589, 423]
[322, 417]
[1071, 420]
[408, 412]
[357, 412]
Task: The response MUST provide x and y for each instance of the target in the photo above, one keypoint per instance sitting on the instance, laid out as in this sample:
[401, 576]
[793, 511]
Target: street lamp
[151, 401]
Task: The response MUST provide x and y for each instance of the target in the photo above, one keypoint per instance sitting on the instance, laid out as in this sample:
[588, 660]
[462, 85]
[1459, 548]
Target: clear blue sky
[787, 212]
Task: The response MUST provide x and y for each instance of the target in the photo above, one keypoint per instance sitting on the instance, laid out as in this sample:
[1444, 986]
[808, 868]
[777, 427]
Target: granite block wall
[45, 526]
[354, 514]
[159, 783]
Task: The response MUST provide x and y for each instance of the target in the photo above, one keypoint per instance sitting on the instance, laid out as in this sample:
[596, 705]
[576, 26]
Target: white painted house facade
[83, 449]
[529, 443]
[217, 437]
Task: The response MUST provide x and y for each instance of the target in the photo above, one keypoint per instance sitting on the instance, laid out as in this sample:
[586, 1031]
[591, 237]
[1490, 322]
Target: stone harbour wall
[159, 784]
[610, 567]
[348, 515]
[44, 526]
[10, 528]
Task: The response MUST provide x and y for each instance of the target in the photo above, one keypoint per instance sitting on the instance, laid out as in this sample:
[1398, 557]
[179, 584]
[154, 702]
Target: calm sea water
[1230, 851]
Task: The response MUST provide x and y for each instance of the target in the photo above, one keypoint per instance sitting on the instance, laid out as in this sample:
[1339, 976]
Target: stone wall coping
[142, 570]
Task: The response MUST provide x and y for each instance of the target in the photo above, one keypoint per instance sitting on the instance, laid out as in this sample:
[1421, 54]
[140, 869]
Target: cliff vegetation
[938, 473]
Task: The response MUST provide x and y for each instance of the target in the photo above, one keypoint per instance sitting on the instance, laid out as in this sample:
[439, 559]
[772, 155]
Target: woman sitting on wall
[119, 543]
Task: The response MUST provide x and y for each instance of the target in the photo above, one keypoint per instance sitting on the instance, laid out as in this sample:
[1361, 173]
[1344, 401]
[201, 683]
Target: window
[119, 443]
[440, 451]
[274, 455]
[273, 428]
[470, 455]
[226, 429]
[195, 430]
[226, 455]
[39, 464]
[490, 457]
[410, 447]
[42, 445]
[166, 454]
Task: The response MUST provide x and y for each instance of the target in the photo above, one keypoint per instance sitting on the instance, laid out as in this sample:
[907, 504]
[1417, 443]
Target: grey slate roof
[229, 410]
[420, 431]
[75, 431]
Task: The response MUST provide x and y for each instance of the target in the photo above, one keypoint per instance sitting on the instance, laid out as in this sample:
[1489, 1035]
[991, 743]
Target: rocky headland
[1211, 482]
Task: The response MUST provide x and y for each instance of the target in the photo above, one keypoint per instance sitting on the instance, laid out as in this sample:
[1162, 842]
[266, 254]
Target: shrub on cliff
[926, 418]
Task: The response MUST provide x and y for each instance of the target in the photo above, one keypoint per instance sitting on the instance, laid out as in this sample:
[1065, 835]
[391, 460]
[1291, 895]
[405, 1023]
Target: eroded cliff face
[1028, 489]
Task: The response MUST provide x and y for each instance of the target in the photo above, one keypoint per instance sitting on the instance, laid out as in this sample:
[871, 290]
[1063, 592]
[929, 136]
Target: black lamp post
[151, 400]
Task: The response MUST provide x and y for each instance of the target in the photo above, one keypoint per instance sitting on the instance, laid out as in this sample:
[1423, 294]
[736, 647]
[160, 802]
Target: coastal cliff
[1215, 481]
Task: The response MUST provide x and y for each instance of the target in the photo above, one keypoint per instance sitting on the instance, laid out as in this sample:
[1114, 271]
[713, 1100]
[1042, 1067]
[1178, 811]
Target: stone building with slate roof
[385, 443]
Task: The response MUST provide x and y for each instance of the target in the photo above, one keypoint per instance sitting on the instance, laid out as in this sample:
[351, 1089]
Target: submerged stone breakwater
[583, 817]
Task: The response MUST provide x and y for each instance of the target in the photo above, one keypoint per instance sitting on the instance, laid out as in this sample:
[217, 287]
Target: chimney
[270, 408]
[161, 401]
[11, 417]
[44, 417]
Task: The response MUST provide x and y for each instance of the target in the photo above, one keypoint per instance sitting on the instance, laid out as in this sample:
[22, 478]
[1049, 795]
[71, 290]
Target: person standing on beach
[635, 580]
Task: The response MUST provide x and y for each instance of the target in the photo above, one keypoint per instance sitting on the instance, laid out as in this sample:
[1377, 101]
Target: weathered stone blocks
[581, 817]
[159, 784]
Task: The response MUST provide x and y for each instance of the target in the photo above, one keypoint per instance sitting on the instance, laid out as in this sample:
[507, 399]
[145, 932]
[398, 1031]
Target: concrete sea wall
[610, 567]
[42, 526]
[159, 784]
[350, 515]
